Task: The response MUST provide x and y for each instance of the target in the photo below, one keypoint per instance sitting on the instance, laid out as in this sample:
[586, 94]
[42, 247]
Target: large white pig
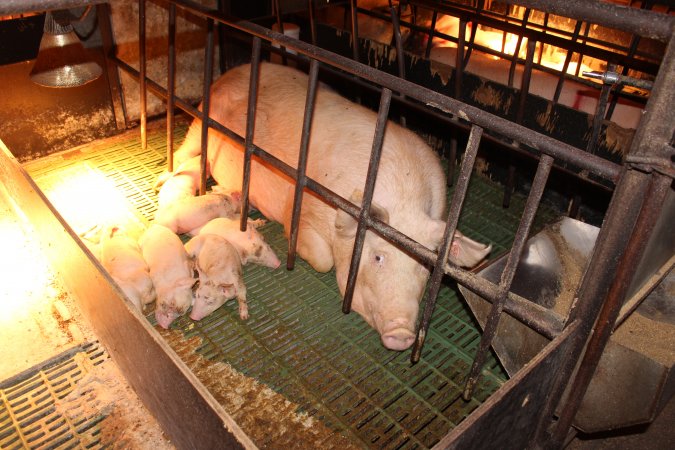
[220, 275]
[171, 273]
[410, 193]
[189, 213]
[121, 257]
[250, 244]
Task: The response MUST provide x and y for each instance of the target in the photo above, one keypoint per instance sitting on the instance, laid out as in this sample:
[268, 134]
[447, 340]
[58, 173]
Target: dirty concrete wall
[190, 43]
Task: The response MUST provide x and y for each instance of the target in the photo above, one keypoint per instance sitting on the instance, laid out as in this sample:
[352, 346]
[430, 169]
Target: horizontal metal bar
[632, 20]
[26, 6]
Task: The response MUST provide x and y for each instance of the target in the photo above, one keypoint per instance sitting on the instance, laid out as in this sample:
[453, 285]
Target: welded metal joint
[613, 78]
[649, 164]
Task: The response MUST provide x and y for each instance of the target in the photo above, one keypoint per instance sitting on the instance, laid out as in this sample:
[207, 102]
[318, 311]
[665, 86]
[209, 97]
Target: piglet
[250, 244]
[180, 184]
[187, 214]
[220, 275]
[122, 258]
[171, 272]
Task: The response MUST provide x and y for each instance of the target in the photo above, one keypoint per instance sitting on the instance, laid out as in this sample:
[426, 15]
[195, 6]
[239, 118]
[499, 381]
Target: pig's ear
[466, 252]
[345, 225]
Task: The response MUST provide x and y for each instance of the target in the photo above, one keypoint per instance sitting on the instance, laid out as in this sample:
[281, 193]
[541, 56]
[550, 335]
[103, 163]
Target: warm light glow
[552, 57]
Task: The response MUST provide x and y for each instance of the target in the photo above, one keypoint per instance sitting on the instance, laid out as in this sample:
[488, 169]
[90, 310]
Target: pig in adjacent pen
[121, 256]
[171, 273]
[410, 193]
[250, 244]
[220, 275]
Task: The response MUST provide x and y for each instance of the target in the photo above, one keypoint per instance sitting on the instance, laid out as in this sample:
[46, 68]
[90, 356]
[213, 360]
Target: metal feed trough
[537, 406]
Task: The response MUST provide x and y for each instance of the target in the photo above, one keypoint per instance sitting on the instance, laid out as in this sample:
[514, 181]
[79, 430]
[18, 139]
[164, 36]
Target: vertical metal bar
[566, 64]
[460, 63]
[221, 38]
[206, 103]
[355, 30]
[364, 215]
[637, 243]
[458, 197]
[312, 20]
[250, 128]
[600, 113]
[280, 27]
[112, 73]
[142, 74]
[541, 43]
[171, 87]
[432, 28]
[514, 60]
[301, 179]
[400, 56]
[635, 41]
[531, 205]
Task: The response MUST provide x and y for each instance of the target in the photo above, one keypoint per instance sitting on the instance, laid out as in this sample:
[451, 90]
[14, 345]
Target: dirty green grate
[298, 342]
[28, 414]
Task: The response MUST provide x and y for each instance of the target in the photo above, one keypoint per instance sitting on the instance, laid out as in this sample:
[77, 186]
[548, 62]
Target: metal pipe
[206, 104]
[458, 197]
[430, 37]
[250, 128]
[9, 7]
[171, 87]
[355, 30]
[142, 63]
[599, 116]
[519, 41]
[301, 179]
[631, 20]
[400, 56]
[509, 272]
[369, 189]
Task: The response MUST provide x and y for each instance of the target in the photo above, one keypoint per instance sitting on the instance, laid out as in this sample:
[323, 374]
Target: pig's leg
[241, 299]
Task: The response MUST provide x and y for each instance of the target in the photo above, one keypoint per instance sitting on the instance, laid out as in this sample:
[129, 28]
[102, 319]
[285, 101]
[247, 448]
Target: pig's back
[340, 146]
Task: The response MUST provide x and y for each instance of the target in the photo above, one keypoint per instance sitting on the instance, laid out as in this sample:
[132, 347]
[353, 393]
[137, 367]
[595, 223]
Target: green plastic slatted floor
[298, 342]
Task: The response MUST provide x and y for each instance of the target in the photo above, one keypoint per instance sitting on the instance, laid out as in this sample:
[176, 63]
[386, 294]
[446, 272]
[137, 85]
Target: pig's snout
[398, 335]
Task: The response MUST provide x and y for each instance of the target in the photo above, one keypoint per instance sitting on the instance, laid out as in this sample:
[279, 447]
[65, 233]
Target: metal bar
[142, 63]
[654, 132]
[222, 58]
[492, 321]
[632, 20]
[301, 179]
[312, 20]
[400, 56]
[206, 104]
[545, 144]
[171, 87]
[432, 27]
[566, 64]
[364, 214]
[280, 25]
[599, 116]
[516, 51]
[103, 16]
[355, 30]
[250, 128]
[611, 307]
[458, 197]
[525, 82]
[8, 7]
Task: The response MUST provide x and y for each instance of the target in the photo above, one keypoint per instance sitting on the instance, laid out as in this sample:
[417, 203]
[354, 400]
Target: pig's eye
[379, 259]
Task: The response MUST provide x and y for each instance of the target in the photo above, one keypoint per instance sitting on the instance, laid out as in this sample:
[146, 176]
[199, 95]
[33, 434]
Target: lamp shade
[62, 60]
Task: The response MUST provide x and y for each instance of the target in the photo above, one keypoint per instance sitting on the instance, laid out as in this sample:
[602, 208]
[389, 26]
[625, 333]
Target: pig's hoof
[398, 339]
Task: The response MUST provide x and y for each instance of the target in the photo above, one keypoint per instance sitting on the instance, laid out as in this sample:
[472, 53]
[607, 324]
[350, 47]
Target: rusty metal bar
[312, 20]
[400, 56]
[519, 42]
[599, 116]
[301, 178]
[432, 28]
[9, 7]
[618, 235]
[355, 30]
[171, 87]
[492, 321]
[142, 64]
[566, 64]
[458, 197]
[632, 20]
[369, 188]
[280, 25]
[206, 104]
[250, 128]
